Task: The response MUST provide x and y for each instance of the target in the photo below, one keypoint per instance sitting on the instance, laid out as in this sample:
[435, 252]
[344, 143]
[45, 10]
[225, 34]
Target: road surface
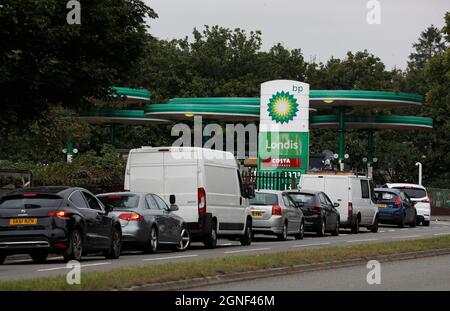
[14, 269]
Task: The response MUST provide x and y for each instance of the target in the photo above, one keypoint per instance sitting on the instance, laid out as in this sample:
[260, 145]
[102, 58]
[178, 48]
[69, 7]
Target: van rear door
[146, 171]
[337, 189]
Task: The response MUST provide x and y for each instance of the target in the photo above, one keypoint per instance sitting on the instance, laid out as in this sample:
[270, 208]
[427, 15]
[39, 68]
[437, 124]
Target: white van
[205, 183]
[352, 193]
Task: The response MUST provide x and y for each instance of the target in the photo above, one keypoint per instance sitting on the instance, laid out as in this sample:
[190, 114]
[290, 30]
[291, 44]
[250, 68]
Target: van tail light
[201, 197]
[426, 200]
[59, 214]
[131, 216]
[276, 210]
[350, 209]
[316, 210]
[398, 201]
[126, 190]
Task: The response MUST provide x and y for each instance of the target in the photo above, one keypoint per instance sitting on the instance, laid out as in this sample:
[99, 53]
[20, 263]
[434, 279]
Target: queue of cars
[207, 199]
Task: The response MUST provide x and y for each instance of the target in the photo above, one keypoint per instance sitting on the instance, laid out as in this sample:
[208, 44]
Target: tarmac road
[15, 269]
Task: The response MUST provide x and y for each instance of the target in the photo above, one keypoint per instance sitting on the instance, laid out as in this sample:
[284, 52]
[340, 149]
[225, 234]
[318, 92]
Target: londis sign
[284, 126]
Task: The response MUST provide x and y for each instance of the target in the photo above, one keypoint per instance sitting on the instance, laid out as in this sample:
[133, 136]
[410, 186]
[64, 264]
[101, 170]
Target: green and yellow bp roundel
[282, 107]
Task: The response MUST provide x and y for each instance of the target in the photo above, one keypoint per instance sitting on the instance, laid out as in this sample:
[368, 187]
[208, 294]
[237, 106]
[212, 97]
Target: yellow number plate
[23, 221]
[257, 213]
[382, 205]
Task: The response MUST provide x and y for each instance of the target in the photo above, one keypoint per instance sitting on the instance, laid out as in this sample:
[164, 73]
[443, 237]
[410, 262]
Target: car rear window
[30, 201]
[385, 196]
[306, 198]
[120, 201]
[413, 193]
[262, 198]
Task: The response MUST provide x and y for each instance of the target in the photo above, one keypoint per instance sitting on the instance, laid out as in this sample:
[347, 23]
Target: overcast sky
[320, 28]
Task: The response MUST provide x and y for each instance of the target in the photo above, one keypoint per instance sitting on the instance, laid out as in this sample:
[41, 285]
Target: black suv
[62, 220]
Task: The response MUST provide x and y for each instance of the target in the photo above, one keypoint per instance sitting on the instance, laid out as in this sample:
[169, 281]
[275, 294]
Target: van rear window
[120, 201]
[262, 198]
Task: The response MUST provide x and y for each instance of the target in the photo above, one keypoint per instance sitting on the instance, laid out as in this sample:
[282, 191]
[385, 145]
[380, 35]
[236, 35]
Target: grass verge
[140, 275]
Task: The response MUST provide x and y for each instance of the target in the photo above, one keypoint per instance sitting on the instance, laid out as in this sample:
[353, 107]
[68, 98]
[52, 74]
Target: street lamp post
[420, 172]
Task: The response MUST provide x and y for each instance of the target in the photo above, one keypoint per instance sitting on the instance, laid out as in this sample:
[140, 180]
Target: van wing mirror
[174, 207]
[172, 199]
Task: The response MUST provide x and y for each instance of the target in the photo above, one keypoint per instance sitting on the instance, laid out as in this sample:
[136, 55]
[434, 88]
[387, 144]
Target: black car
[62, 220]
[319, 212]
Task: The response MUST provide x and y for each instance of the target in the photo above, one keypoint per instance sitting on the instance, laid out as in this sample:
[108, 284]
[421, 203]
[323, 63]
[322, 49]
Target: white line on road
[315, 244]
[343, 234]
[82, 266]
[225, 244]
[171, 257]
[442, 233]
[247, 250]
[392, 230]
[404, 229]
[362, 240]
[407, 236]
[382, 231]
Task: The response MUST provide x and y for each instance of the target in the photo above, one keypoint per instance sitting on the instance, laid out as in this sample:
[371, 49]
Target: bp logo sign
[282, 107]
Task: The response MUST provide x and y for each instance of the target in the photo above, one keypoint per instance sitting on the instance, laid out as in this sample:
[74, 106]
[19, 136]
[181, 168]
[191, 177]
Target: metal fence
[272, 180]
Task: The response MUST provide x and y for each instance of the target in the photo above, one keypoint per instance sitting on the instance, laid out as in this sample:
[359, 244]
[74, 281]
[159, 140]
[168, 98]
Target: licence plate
[382, 205]
[257, 213]
[23, 221]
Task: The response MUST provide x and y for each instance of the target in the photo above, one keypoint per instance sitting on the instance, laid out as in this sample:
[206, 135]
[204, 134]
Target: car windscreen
[413, 193]
[305, 198]
[120, 201]
[30, 201]
[262, 198]
[385, 196]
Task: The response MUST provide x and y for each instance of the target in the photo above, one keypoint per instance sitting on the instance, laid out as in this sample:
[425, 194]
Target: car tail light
[398, 201]
[59, 214]
[29, 194]
[126, 190]
[201, 196]
[316, 210]
[114, 196]
[350, 209]
[59, 245]
[276, 210]
[130, 216]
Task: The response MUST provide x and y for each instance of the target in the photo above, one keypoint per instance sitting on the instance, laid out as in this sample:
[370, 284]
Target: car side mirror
[249, 191]
[174, 207]
[172, 199]
[335, 204]
[108, 208]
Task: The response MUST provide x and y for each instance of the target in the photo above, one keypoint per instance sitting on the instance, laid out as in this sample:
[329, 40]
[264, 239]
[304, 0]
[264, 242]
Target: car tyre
[355, 226]
[336, 229]
[426, 223]
[2, 259]
[321, 230]
[284, 232]
[413, 224]
[402, 222]
[185, 240]
[211, 241]
[153, 241]
[246, 239]
[74, 250]
[39, 257]
[116, 245]
[301, 232]
[374, 227]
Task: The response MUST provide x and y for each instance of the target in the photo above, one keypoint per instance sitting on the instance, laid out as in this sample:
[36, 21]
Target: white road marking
[225, 244]
[407, 236]
[392, 230]
[362, 240]
[315, 244]
[247, 250]
[382, 231]
[404, 229]
[82, 266]
[442, 233]
[171, 257]
[343, 234]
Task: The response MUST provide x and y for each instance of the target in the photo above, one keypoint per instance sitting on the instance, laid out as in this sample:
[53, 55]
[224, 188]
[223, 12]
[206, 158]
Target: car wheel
[374, 227]
[153, 242]
[426, 223]
[211, 241]
[39, 257]
[321, 230]
[336, 229]
[246, 239]
[116, 245]
[283, 235]
[355, 227]
[402, 222]
[75, 248]
[185, 240]
[2, 258]
[413, 222]
[301, 232]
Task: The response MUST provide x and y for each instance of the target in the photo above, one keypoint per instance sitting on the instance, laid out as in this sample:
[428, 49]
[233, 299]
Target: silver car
[147, 221]
[275, 213]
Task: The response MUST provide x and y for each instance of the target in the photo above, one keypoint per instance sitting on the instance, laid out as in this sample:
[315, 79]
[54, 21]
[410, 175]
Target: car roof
[124, 193]
[269, 191]
[307, 191]
[396, 191]
[406, 185]
[60, 190]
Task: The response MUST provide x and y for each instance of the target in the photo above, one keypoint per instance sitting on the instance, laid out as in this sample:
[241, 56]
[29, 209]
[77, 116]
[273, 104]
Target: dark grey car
[147, 221]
